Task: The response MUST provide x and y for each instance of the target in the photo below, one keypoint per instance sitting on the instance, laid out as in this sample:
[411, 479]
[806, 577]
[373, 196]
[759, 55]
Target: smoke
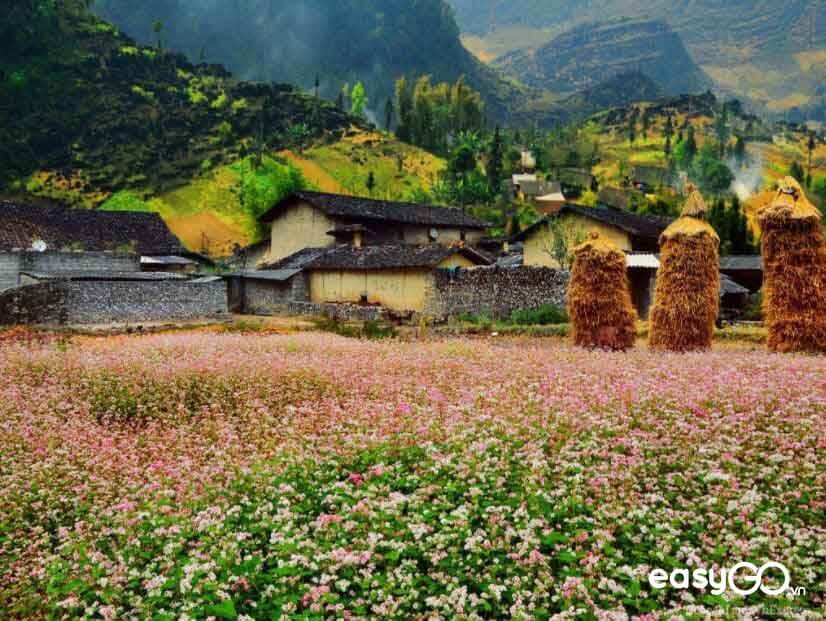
[748, 177]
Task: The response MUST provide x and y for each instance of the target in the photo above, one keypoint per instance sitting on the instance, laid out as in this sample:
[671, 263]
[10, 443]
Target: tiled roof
[392, 256]
[272, 275]
[297, 260]
[60, 228]
[368, 209]
[650, 227]
[103, 275]
[742, 262]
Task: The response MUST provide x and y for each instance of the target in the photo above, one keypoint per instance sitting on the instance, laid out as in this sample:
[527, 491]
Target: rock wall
[63, 262]
[9, 270]
[43, 303]
[494, 291]
[267, 297]
[101, 302]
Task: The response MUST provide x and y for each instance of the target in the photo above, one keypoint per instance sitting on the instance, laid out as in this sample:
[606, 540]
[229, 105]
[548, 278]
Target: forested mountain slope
[85, 111]
[341, 41]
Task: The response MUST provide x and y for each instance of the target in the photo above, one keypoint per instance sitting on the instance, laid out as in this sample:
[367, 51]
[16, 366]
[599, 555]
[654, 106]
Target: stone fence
[494, 291]
[113, 301]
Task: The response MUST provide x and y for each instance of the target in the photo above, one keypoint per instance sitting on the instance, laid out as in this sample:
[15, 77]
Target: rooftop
[392, 256]
[744, 262]
[639, 226]
[369, 209]
[61, 228]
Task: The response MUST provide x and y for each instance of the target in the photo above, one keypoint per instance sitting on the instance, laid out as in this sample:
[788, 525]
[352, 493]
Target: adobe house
[628, 231]
[395, 276]
[319, 220]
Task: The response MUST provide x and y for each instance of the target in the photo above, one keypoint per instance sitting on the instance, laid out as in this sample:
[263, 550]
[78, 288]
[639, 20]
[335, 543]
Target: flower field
[200, 475]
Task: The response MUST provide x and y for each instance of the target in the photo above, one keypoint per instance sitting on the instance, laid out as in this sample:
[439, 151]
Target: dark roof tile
[649, 227]
[392, 256]
[368, 209]
[21, 225]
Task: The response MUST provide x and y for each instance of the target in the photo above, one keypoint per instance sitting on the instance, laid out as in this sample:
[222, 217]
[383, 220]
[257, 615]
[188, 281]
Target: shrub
[545, 315]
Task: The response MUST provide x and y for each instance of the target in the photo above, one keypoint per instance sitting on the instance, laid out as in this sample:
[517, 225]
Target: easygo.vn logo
[772, 579]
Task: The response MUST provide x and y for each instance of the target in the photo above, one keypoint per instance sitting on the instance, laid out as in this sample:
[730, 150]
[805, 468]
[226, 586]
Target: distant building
[648, 179]
[316, 220]
[575, 181]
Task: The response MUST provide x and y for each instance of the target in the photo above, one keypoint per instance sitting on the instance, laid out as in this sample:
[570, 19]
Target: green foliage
[125, 201]
[263, 186]
[429, 114]
[370, 330]
[358, 100]
[545, 315]
[711, 174]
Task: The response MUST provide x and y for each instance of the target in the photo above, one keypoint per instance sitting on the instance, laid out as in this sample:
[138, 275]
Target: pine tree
[810, 147]
[495, 163]
[796, 171]
[389, 112]
[404, 105]
[358, 98]
[740, 151]
[370, 183]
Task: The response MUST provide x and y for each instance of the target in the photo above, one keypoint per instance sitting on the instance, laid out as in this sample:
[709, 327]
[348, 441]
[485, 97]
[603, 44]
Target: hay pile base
[687, 294]
[599, 298]
[794, 263]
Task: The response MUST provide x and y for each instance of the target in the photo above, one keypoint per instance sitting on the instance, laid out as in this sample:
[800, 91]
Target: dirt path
[314, 173]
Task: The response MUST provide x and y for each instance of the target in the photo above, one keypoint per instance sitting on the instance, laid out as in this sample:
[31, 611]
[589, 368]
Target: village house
[648, 179]
[333, 249]
[60, 265]
[317, 220]
[638, 236]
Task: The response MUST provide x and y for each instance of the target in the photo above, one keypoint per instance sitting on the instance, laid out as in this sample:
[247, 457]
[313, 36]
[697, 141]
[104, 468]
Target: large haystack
[599, 297]
[687, 295]
[794, 263]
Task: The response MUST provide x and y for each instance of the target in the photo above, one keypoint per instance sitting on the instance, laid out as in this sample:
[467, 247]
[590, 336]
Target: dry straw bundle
[794, 263]
[599, 297]
[687, 294]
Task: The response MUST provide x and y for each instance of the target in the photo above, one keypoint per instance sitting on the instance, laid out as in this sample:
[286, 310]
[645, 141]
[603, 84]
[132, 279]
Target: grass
[399, 170]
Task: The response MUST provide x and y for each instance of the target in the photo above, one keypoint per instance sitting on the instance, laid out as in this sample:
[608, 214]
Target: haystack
[599, 297]
[687, 294]
[794, 263]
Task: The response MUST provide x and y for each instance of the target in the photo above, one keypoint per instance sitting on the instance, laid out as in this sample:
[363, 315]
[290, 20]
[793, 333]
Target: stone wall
[12, 263]
[43, 303]
[494, 291]
[267, 297]
[93, 302]
[9, 270]
[64, 262]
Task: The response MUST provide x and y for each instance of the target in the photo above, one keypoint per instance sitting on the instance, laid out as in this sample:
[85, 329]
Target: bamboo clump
[687, 293]
[599, 297]
[794, 264]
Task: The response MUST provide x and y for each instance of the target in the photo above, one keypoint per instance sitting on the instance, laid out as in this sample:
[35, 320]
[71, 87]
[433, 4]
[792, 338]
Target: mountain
[594, 53]
[772, 52]
[85, 111]
[340, 41]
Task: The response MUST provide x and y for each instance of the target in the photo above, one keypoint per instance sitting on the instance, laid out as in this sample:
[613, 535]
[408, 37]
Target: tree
[711, 174]
[561, 239]
[370, 183]
[796, 171]
[668, 130]
[810, 147]
[740, 151]
[358, 98]
[389, 112]
[344, 96]
[667, 147]
[721, 130]
[157, 28]
[495, 163]
[404, 105]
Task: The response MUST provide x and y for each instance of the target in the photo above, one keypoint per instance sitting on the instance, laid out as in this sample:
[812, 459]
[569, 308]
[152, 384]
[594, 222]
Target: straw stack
[794, 264]
[599, 297]
[687, 295]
